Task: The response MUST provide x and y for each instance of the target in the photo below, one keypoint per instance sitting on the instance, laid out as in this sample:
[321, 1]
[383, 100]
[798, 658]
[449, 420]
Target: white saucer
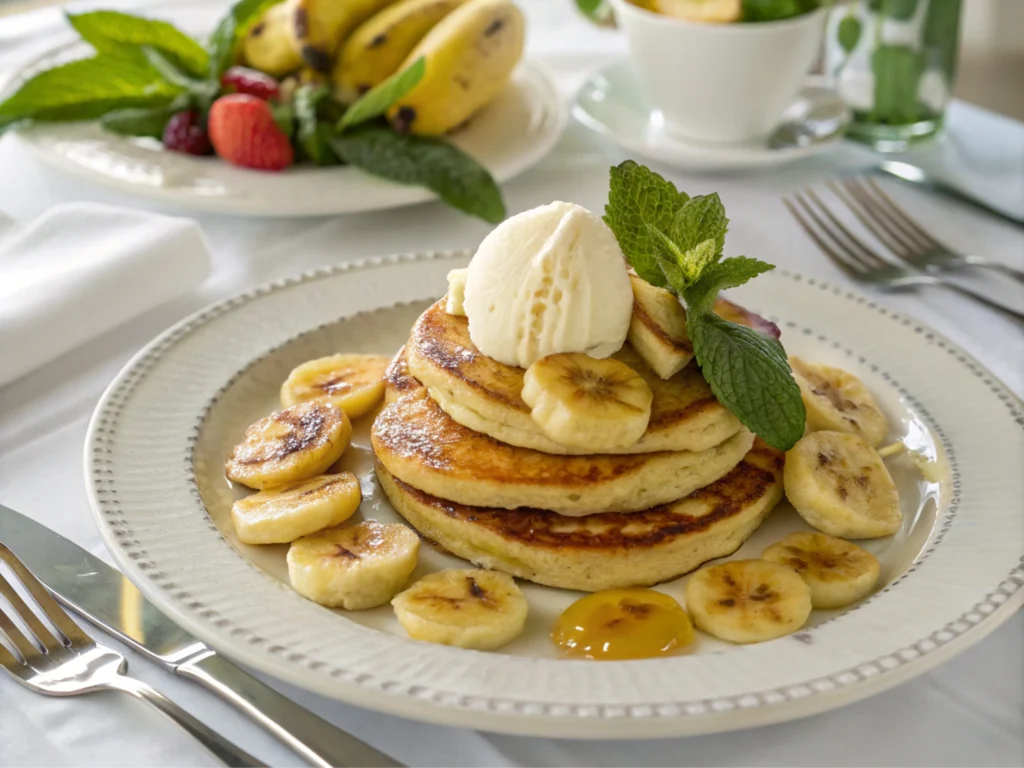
[612, 103]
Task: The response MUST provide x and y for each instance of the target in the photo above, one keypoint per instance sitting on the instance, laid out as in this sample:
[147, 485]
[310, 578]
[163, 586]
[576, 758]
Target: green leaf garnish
[313, 135]
[456, 177]
[88, 88]
[138, 121]
[378, 99]
[731, 273]
[223, 43]
[700, 218]
[848, 32]
[111, 31]
[639, 197]
[777, 10]
[749, 375]
[681, 238]
[598, 11]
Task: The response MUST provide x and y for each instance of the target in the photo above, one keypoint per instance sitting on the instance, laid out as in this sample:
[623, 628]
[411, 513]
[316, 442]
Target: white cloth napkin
[82, 269]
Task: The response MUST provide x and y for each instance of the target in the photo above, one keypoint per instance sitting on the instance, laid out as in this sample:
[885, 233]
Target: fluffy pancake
[484, 395]
[421, 445]
[603, 551]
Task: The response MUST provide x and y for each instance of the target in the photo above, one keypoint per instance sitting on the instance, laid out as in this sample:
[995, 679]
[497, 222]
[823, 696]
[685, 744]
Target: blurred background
[991, 68]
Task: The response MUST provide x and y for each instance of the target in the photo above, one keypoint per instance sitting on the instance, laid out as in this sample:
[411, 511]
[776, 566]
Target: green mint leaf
[456, 177]
[306, 100]
[731, 273]
[697, 259]
[111, 31]
[138, 121]
[776, 10]
[378, 99]
[700, 218]
[223, 43]
[668, 259]
[88, 88]
[749, 375]
[848, 32]
[638, 197]
[316, 147]
[598, 11]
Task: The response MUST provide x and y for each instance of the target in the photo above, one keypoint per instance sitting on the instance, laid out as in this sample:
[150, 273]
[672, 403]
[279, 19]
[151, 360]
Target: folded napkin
[82, 269]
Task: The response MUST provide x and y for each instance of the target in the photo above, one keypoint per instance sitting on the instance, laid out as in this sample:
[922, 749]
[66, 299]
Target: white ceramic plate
[611, 102]
[512, 134]
[154, 462]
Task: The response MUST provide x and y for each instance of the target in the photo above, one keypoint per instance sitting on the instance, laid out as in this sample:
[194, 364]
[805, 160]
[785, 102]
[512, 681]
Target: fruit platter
[365, 104]
[590, 479]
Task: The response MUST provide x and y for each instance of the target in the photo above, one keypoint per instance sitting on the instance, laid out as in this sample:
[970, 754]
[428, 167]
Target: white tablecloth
[968, 712]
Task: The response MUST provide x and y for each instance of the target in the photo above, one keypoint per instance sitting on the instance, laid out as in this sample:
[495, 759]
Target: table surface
[969, 711]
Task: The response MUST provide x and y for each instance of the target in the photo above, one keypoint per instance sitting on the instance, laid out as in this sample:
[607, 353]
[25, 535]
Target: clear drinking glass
[893, 62]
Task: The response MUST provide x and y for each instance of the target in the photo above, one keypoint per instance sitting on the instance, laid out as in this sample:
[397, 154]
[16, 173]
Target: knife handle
[316, 740]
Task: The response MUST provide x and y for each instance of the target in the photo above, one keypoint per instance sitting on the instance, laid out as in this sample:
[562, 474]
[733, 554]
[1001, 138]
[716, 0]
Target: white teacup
[720, 83]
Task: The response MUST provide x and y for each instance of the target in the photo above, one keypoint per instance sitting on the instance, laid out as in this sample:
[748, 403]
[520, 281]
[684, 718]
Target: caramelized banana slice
[290, 445]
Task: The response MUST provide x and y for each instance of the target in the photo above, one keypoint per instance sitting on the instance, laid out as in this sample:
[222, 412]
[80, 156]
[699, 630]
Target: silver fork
[901, 234]
[69, 662]
[860, 262]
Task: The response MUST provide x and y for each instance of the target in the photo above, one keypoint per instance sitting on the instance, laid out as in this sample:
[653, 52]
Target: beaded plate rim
[523, 716]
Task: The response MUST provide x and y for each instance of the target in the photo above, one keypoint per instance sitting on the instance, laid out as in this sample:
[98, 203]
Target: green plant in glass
[894, 62]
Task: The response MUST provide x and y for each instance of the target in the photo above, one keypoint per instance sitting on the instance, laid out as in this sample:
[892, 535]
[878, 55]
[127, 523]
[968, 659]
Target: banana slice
[455, 304]
[838, 401]
[840, 485]
[354, 383]
[838, 572]
[356, 567]
[748, 601]
[466, 608]
[578, 401]
[279, 516]
[290, 445]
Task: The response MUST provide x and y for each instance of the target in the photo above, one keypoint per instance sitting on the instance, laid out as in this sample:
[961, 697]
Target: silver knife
[102, 595]
[914, 175]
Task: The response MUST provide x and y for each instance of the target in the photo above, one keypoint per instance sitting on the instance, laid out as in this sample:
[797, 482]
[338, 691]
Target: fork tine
[872, 215]
[902, 216]
[7, 658]
[42, 632]
[57, 615]
[21, 643]
[853, 269]
[857, 248]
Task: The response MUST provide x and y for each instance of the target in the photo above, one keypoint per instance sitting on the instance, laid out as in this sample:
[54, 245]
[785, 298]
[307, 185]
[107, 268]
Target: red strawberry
[184, 132]
[243, 132]
[250, 81]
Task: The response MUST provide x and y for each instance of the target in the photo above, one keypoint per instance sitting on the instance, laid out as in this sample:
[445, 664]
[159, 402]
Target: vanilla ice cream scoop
[547, 281]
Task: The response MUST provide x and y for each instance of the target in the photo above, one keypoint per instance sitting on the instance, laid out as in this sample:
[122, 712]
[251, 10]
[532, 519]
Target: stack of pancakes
[461, 459]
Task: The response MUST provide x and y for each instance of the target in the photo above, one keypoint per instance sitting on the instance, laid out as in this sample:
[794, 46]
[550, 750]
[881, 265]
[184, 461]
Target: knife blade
[103, 596]
[914, 175]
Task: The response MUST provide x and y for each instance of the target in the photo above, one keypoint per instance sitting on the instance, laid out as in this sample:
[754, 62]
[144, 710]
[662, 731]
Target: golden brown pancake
[484, 395]
[601, 551]
[422, 446]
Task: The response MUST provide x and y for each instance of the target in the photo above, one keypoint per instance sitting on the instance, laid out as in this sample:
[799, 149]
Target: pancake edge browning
[440, 355]
[608, 551]
[424, 447]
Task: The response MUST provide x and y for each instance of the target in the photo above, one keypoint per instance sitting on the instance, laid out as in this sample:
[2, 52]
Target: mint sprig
[379, 99]
[111, 32]
[676, 241]
[223, 43]
[88, 88]
[456, 177]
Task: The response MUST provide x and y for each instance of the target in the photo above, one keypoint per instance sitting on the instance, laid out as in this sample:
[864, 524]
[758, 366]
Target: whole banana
[378, 47]
[469, 56]
[322, 25]
[271, 44]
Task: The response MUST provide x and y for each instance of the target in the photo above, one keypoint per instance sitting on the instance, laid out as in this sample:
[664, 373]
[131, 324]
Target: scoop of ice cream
[547, 281]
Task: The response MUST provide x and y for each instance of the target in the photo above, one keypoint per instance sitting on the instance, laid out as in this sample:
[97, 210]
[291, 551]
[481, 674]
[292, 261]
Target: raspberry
[250, 81]
[184, 132]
